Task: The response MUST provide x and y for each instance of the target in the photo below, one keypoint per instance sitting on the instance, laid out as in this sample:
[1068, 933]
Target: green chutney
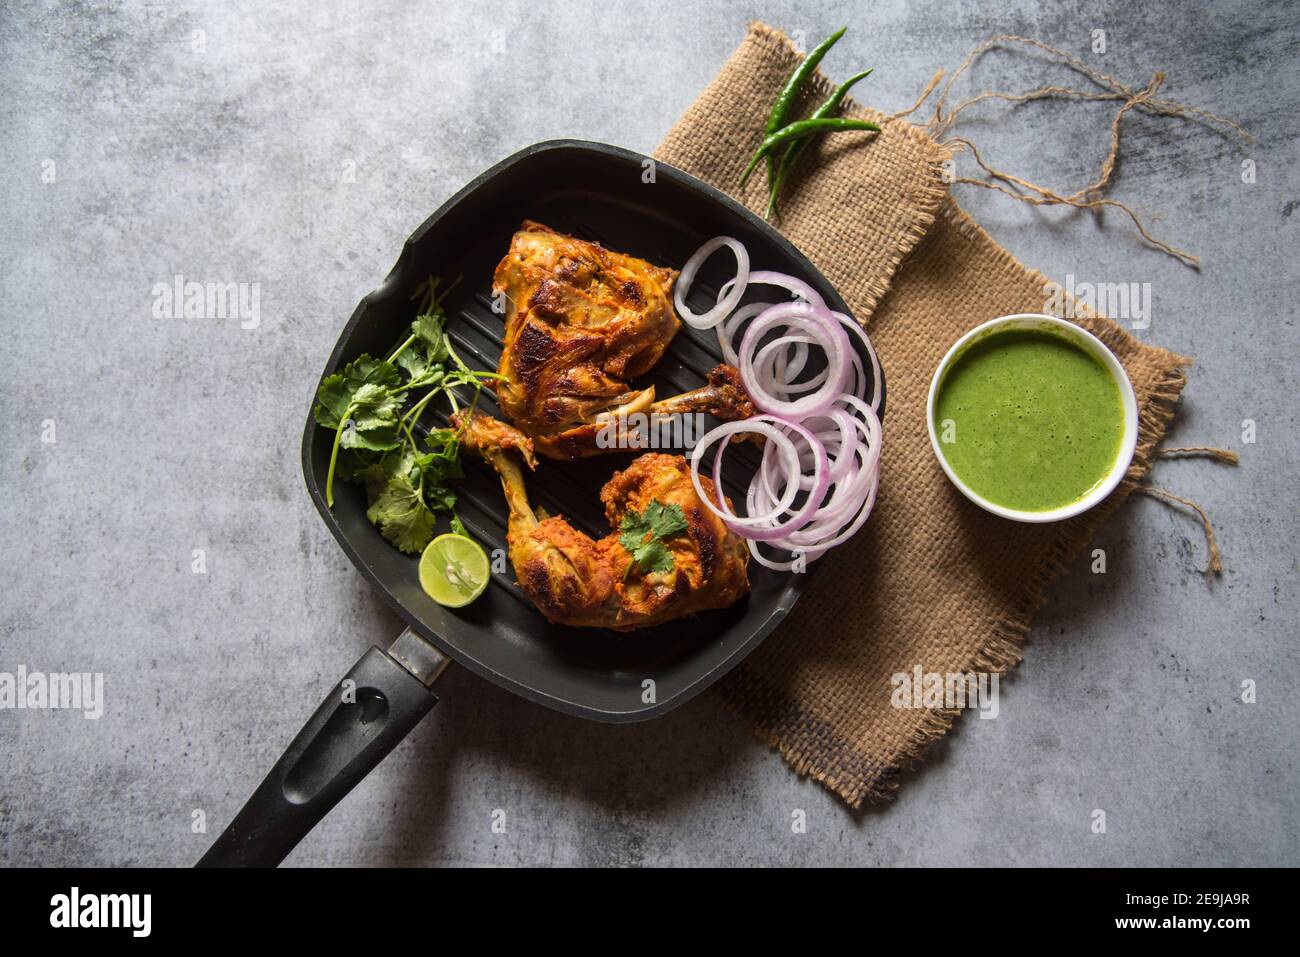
[1029, 420]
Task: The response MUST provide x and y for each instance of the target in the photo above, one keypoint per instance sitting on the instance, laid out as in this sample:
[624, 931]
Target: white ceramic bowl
[1084, 340]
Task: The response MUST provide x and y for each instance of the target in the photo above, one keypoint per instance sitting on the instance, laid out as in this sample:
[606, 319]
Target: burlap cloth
[931, 580]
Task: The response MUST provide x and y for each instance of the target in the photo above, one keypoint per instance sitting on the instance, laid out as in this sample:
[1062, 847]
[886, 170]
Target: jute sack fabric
[931, 580]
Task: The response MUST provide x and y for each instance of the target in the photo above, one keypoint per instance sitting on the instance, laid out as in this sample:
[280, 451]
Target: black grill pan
[628, 203]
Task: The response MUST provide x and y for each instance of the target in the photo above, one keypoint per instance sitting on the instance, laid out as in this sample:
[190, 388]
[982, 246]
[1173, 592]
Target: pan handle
[373, 708]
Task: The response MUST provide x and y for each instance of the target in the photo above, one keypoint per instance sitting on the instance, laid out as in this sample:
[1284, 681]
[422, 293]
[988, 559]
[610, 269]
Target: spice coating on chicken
[576, 580]
[580, 322]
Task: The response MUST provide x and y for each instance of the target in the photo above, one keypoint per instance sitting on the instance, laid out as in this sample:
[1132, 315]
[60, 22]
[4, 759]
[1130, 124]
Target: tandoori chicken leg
[576, 580]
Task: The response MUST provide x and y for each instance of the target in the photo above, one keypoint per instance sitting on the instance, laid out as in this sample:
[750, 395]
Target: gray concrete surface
[295, 145]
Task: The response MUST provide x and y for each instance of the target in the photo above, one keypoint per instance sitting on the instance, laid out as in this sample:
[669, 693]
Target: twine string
[1226, 456]
[1111, 89]
[1215, 566]
[1090, 196]
[925, 95]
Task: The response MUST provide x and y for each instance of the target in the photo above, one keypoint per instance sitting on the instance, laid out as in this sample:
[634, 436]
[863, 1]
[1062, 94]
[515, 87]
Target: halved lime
[454, 570]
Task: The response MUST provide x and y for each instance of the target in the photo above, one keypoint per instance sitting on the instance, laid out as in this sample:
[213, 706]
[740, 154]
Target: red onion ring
[727, 329]
[830, 335]
[725, 303]
[856, 328]
[753, 526]
[791, 284]
[844, 498]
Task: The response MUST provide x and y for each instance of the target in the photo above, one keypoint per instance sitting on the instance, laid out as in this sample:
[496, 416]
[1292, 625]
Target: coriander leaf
[458, 526]
[654, 556]
[370, 420]
[634, 531]
[439, 498]
[643, 535]
[415, 464]
[427, 330]
[332, 400]
[444, 458]
[428, 472]
[337, 391]
[374, 446]
[665, 521]
[401, 515]
[403, 463]
[379, 439]
[375, 470]
[413, 361]
[445, 442]
[355, 464]
[366, 369]
[423, 364]
[368, 386]
[373, 406]
[433, 375]
[374, 477]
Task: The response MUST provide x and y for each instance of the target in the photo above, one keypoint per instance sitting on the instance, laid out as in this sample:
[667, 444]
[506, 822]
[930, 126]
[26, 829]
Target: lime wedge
[454, 570]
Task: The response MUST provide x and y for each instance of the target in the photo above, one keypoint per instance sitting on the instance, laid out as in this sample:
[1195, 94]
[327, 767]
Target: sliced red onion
[727, 329]
[792, 284]
[844, 443]
[844, 440]
[824, 434]
[844, 498]
[843, 504]
[812, 554]
[773, 366]
[830, 335]
[724, 432]
[828, 532]
[856, 328]
[725, 303]
[766, 525]
[845, 510]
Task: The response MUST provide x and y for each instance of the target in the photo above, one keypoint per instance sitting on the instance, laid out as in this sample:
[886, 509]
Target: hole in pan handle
[368, 713]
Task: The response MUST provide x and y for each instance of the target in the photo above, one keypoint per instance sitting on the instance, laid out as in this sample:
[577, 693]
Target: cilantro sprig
[373, 405]
[643, 535]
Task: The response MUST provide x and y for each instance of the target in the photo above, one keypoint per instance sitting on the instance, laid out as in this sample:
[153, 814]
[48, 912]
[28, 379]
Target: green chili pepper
[790, 92]
[785, 99]
[795, 149]
[800, 129]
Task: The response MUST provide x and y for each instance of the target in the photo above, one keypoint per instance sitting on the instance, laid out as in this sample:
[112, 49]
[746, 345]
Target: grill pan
[629, 203]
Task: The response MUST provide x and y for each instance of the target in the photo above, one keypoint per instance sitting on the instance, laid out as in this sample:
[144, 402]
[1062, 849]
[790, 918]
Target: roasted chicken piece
[575, 580]
[580, 323]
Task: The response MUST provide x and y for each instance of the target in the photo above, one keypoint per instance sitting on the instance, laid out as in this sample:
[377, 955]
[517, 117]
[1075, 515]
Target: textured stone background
[235, 162]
